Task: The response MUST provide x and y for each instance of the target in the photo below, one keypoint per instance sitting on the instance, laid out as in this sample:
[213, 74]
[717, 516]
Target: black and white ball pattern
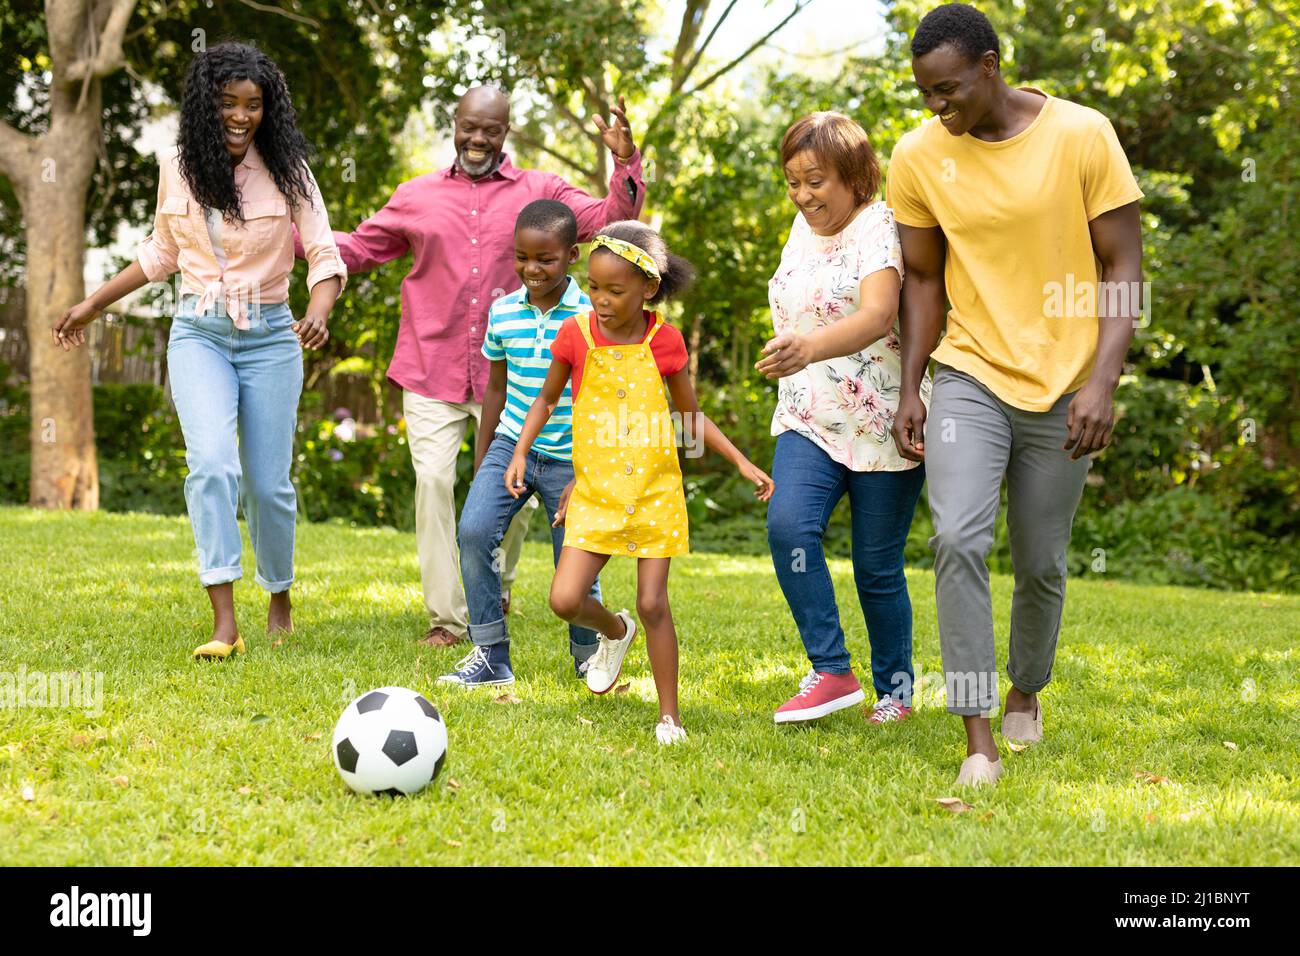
[390, 741]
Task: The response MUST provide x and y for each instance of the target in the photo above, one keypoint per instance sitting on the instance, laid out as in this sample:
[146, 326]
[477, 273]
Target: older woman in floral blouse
[834, 302]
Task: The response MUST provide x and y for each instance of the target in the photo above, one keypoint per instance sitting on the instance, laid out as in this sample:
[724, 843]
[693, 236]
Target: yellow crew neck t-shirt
[1020, 272]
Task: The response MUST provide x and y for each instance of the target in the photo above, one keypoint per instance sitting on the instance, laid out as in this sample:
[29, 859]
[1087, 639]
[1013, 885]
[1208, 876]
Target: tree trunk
[65, 472]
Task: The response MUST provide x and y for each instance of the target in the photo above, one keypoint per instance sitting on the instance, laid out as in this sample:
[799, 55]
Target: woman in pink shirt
[228, 198]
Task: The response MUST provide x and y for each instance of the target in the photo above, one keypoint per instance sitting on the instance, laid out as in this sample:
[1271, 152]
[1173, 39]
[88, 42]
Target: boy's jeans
[487, 513]
[236, 394]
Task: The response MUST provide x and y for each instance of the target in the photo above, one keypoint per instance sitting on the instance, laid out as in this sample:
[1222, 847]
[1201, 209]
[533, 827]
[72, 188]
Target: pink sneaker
[820, 694]
[888, 710]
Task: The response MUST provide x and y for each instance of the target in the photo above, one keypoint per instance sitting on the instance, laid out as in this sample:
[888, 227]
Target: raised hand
[618, 137]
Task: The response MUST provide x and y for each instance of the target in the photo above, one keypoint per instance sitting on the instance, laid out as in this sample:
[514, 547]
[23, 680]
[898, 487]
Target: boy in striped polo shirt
[521, 327]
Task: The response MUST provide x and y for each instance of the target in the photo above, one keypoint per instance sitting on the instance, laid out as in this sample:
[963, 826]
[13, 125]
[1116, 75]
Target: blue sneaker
[485, 666]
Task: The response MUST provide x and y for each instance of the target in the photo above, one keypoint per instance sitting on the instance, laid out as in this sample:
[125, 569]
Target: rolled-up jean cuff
[494, 632]
[215, 576]
[1028, 686]
[961, 711]
[582, 652]
[272, 587]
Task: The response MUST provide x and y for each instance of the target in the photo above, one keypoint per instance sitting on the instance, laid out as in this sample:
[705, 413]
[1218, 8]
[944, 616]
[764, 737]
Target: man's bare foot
[440, 637]
[1018, 702]
[279, 616]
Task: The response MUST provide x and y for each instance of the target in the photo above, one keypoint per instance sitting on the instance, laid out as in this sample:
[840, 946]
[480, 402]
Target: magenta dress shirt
[460, 232]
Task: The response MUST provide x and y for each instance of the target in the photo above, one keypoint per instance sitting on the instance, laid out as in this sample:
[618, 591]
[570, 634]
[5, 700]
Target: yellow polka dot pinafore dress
[628, 495]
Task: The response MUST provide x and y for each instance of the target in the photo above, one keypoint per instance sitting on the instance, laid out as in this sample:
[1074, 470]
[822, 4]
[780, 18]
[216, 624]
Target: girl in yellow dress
[626, 497]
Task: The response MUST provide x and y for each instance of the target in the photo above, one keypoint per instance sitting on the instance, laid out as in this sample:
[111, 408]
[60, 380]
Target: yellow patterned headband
[633, 254]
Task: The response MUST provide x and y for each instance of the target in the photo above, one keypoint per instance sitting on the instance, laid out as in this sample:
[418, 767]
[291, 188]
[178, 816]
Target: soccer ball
[389, 741]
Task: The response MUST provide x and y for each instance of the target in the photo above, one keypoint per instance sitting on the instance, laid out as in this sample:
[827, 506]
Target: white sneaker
[606, 664]
[669, 731]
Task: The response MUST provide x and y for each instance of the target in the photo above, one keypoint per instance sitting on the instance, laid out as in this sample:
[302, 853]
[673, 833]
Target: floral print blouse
[845, 405]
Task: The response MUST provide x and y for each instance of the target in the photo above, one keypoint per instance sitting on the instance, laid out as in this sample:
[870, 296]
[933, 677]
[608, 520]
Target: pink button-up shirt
[259, 251]
[461, 233]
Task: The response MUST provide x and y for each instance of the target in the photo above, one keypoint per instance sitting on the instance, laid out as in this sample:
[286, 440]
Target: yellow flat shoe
[216, 649]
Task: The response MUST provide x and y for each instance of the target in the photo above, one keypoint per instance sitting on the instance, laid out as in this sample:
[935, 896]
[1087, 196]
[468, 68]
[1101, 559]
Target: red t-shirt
[668, 347]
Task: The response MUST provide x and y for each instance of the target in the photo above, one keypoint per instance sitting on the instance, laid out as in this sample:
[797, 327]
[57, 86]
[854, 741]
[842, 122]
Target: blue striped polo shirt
[520, 336]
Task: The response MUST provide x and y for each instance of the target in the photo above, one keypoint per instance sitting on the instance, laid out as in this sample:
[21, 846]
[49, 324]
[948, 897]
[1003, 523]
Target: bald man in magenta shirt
[458, 224]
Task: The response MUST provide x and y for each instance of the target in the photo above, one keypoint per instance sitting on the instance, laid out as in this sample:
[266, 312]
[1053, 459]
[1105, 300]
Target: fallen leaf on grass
[622, 688]
[244, 791]
[585, 721]
[758, 848]
[277, 643]
[506, 699]
[453, 783]
[824, 750]
[29, 794]
[1016, 748]
[1230, 745]
[80, 740]
[607, 748]
[986, 817]
[121, 781]
[1146, 776]
[315, 736]
[955, 804]
[1150, 818]
[720, 765]
[258, 719]
[400, 841]
[630, 750]
[453, 843]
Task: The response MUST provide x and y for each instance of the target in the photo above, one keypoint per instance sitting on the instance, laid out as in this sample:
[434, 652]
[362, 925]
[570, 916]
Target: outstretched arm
[695, 424]
[538, 415]
[626, 183]
[70, 328]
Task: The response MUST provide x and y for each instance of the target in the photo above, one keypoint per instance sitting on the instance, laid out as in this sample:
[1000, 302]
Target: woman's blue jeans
[236, 394]
[809, 484]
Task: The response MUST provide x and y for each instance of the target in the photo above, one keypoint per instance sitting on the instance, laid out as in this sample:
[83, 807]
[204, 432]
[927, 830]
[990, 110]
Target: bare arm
[69, 329]
[538, 415]
[920, 319]
[695, 423]
[878, 305]
[1117, 241]
[494, 400]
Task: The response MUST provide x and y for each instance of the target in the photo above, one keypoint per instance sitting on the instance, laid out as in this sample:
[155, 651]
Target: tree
[50, 173]
[75, 84]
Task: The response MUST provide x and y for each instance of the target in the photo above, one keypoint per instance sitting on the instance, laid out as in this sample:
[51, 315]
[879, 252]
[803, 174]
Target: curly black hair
[675, 273]
[960, 25]
[204, 159]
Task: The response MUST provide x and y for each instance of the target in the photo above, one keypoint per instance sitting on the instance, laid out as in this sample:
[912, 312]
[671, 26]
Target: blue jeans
[487, 514]
[236, 394]
[809, 484]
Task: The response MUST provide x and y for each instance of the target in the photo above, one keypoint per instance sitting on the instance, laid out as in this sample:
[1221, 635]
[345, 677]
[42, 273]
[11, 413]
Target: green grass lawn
[229, 763]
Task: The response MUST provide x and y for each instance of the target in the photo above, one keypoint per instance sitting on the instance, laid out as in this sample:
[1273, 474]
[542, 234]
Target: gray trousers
[973, 439]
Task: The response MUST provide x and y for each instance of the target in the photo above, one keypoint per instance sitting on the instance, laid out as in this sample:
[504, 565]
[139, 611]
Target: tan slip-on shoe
[1024, 728]
[978, 770]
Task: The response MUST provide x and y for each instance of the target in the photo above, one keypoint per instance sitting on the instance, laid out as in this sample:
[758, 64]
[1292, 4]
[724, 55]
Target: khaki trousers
[434, 433]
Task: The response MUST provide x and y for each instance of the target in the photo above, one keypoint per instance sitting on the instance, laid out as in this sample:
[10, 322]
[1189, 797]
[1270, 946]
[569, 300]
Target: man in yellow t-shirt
[1022, 210]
